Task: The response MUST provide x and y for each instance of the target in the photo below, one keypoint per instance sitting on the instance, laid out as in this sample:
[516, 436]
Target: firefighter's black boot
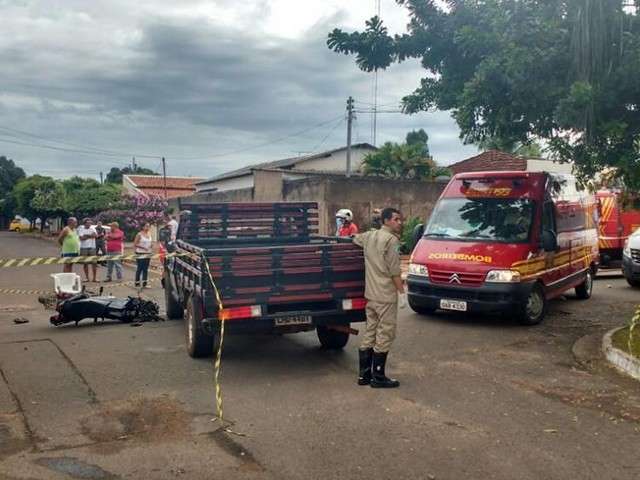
[378, 378]
[364, 377]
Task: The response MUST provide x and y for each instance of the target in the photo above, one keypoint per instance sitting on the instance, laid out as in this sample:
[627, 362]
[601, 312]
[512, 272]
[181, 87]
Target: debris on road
[20, 321]
[82, 306]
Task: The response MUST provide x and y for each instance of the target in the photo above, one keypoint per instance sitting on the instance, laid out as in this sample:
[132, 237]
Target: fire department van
[505, 242]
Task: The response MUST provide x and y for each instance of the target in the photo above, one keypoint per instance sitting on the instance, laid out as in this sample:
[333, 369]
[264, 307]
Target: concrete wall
[540, 165]
[332, 192]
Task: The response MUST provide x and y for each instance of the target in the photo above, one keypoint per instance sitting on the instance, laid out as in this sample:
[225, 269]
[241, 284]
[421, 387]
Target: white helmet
[345, 213]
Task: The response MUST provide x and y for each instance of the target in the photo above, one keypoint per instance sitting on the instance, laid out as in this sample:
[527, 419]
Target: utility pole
[133, 165]
[101, 179]
[349, 124]
[164, 176]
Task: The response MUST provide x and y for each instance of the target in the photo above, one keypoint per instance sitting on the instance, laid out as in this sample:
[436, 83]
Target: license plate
[293, 320]
[456, 305]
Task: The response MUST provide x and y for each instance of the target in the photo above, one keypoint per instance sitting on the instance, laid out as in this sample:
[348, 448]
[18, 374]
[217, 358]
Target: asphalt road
[479, 397]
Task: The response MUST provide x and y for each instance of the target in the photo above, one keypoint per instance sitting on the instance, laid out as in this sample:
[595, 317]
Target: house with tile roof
[329, 162]
[155, 185]
[495, 160]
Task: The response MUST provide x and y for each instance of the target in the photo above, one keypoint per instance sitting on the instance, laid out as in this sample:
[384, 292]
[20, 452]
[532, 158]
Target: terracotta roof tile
[156, 181]
[490, 160]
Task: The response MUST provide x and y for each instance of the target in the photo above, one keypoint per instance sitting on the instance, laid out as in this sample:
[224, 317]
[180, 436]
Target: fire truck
[617, 222]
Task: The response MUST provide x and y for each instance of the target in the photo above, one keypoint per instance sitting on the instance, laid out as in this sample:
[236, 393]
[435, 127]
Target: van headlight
[626, 251]
[418, 269]
[503, 276]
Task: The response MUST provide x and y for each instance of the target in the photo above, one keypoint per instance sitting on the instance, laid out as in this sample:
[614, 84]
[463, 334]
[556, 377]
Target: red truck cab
[505, 242]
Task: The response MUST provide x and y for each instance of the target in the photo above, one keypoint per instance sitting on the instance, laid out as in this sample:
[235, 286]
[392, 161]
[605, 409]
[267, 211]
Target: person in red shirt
[115, 246]
[346, 227]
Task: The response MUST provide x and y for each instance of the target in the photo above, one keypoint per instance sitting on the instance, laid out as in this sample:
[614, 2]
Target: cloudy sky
[211, 85]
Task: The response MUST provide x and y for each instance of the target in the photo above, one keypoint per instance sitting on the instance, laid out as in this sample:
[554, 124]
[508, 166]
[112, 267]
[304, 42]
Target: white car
[631, 259]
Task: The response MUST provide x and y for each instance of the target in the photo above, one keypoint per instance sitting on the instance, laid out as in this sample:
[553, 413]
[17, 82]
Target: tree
[400, 161]
[115, 174]
[38, 196]
[416, 137]
[85, 197]
[518, 70]
[10, 174]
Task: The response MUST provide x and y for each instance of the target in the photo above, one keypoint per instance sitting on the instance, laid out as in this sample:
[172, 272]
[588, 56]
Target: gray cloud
[185, 87]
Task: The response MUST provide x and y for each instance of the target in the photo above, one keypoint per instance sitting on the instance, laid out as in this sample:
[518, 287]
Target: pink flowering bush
[134, 211]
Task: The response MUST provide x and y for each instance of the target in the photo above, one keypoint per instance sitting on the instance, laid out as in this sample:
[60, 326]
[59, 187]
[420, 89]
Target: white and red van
[505, 242]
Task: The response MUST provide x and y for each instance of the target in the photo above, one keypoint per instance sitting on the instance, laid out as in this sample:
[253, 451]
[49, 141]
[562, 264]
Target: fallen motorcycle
[81, 306]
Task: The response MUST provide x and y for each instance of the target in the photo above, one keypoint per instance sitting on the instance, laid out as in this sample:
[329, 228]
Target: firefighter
[384, 292]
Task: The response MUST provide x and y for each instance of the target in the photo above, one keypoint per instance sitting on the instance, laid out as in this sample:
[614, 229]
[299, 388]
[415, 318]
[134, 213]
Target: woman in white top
[143, 245]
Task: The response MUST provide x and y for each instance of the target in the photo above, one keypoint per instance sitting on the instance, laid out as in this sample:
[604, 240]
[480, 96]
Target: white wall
[336, 162]
[236, 183]
[539, 165]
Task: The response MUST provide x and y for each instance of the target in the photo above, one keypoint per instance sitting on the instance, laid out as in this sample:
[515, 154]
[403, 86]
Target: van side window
[548, 220]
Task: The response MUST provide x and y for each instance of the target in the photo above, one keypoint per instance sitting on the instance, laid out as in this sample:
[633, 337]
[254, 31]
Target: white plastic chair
[70, 283]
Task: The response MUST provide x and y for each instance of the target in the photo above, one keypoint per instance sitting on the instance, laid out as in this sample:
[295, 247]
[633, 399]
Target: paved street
[479, 397]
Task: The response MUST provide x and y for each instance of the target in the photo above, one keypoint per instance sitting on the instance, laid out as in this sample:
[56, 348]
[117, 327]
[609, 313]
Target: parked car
[505, 242]
[631, 259]
[616, 223]
[19, 224]
[272, 271]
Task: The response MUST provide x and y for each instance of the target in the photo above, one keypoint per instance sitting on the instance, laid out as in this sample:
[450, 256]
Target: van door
[548, 223]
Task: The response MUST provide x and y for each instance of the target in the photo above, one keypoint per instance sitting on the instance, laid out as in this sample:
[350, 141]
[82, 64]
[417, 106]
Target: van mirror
[549, 241]
[418, 232]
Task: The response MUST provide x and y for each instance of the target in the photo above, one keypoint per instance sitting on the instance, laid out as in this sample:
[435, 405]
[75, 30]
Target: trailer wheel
[199, 343]
[173, 308]
[534, 308]
[583, 291]
[421, 309]
[331, 339]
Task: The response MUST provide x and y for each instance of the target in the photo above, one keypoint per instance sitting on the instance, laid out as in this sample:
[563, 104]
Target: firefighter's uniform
[382, 261]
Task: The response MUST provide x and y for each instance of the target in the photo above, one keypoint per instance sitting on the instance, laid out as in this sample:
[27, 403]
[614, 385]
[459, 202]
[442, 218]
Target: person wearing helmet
[344, 222]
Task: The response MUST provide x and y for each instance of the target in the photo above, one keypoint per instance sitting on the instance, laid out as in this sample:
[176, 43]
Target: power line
[271, 142]
[333, 129]
[83, 147]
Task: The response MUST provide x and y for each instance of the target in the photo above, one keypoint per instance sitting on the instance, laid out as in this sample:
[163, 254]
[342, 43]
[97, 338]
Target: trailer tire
[173, 308]
[534, 308]
[199, 343]
[331, 339]
[583, 291]
[421, 309]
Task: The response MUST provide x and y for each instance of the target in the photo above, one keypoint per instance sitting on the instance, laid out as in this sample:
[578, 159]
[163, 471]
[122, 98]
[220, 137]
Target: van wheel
[173, 308]
[17, 230]
[633, 283]
[583, 291]
[534, 308]
[420, 309]
[331, 339]
[199, 343]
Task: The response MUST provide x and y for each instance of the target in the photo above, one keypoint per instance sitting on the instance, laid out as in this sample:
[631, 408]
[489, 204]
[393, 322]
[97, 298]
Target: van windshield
[482, 219]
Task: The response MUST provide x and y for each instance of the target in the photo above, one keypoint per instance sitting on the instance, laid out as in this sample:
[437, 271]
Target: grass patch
[620, 340]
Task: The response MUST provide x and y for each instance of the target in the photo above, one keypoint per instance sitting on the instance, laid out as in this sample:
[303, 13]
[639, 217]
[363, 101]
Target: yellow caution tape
[105, 285]
[218, 358]
[34, 261]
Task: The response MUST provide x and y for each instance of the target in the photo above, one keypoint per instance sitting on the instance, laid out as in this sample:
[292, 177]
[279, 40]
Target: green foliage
[38, 196]
[404, 161]
[406, 240]
[115, 174]
[562, 71]
[419, 137]
[86, 197]
[10, 174]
